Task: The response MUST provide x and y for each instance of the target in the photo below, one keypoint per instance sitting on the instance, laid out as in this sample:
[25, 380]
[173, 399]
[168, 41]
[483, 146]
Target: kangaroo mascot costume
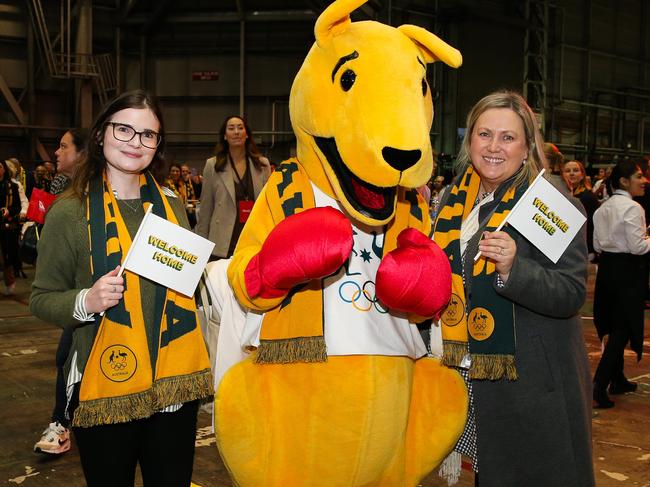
[335, 254]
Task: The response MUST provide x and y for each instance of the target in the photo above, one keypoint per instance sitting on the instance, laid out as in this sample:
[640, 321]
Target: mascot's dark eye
[424, 87]
[347, 79]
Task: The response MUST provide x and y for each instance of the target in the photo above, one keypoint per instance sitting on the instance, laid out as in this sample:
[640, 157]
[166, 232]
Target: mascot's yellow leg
[339, 423]
[437, 417]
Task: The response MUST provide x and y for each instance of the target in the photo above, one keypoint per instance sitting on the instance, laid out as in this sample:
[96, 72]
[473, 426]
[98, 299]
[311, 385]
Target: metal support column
[536, 56]
[118, 61]
[84, 49]
[587, 112]
[143, 61]
[31, 92]
[242, 57]
[242, 66]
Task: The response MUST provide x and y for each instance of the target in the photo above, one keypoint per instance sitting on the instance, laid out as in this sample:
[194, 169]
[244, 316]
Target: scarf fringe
[165, 392]
[453, 353]
[184, 388]
[450, 468]
[493, 367]
[490, 367]
[303, 349]
[112, 410]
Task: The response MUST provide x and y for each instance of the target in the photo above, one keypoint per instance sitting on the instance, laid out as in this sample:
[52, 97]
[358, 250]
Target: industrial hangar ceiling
[205, 26]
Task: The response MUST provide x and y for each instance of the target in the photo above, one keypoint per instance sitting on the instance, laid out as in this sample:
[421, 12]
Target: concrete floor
[27, 345]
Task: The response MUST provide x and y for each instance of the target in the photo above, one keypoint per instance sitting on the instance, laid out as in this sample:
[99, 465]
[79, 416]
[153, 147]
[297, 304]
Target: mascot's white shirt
[356, 323]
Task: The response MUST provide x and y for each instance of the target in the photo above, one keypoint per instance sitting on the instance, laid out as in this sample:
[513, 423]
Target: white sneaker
[55, 440]
[9, 290]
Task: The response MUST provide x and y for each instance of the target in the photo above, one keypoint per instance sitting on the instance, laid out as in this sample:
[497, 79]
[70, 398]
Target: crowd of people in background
[215, 201]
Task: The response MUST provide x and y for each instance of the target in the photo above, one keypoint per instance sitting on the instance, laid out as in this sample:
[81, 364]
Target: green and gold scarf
[9, 195]
[287, 336]
[189, 191]
[484, 323]
[135, 370]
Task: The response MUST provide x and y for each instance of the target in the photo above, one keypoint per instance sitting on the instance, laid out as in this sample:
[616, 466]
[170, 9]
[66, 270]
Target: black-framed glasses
[125, 133]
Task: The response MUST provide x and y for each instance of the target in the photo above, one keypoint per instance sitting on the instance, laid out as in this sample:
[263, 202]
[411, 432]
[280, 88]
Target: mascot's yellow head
[361, 110]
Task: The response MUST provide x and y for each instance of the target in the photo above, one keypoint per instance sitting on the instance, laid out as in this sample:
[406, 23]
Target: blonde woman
[512, 327]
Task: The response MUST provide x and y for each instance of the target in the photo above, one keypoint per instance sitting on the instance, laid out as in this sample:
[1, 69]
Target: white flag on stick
[546, 218]
[168, 254]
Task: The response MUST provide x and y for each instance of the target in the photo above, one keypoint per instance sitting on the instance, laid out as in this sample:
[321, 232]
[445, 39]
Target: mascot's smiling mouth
[371, 201]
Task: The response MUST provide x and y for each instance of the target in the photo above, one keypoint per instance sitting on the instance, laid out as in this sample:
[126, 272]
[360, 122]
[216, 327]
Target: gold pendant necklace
[133, 208]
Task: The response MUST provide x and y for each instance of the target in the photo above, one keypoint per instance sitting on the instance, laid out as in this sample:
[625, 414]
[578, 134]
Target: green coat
[63, 270]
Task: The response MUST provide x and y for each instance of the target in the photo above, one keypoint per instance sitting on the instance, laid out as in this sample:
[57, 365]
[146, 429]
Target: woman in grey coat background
[232, 180]
[512, 328]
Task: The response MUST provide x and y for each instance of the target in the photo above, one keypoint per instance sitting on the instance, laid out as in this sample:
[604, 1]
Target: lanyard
[242, 182]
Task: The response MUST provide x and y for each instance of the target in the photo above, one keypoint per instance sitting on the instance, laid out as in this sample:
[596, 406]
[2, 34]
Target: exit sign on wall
[205, 75]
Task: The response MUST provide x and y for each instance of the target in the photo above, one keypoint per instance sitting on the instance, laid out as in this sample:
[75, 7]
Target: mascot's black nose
[400, 159]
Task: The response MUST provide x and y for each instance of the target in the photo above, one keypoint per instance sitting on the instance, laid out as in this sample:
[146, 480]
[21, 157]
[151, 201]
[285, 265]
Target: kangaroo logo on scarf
[454, 312]
[118, 363]
[480, 324]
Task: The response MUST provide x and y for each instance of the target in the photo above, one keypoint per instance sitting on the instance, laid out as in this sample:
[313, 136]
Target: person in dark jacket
[233, 179]
[55, 439]
[512, 327]
[9, 226]
[622, 279]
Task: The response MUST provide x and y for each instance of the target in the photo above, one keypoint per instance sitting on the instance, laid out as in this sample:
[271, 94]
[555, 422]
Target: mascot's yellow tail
[340, 423]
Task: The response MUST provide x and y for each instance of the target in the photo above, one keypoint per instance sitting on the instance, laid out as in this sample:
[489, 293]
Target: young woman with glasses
[138, 364]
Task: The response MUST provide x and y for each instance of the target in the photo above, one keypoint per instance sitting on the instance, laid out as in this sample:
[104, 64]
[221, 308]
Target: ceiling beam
[368, 10]
[156, 18]
[20, 115]
[126, 9]
[221, 17]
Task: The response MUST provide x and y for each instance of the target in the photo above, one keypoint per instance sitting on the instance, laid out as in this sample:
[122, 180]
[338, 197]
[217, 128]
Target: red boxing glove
[309, 245]
[415, 277]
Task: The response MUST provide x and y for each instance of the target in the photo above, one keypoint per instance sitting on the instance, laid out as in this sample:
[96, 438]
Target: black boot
[602, 399]
[621, 387]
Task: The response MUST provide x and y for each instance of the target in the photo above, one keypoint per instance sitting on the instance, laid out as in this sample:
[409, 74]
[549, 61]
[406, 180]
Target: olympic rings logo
[362, 298]
[118, 363]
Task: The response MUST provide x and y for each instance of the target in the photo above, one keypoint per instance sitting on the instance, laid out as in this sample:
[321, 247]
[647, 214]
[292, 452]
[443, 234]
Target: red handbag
[39, 202]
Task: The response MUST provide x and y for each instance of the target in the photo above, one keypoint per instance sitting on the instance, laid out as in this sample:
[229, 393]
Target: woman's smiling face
[130, 157]
[498, 146]
[635, 184]
[573, 173]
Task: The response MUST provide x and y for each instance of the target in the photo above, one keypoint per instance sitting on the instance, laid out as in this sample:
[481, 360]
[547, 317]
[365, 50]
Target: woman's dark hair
[79, 138]
[173, 164]
[169, 172]
[223, 148]
[7, 174]
[93, 163]
[623, 169]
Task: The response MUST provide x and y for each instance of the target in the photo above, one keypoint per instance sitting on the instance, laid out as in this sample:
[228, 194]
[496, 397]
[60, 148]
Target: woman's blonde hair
[515, 102]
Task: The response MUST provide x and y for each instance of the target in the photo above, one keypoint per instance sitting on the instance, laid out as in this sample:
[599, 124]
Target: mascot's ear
[335, 19]
[433, 48]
